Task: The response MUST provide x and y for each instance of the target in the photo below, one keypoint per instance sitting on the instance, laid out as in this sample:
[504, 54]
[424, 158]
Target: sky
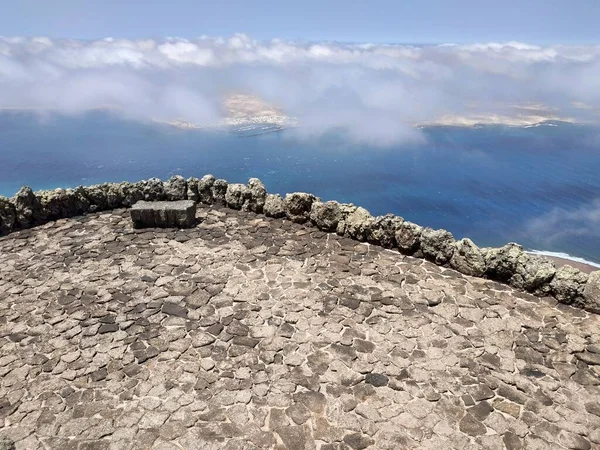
[393, 21]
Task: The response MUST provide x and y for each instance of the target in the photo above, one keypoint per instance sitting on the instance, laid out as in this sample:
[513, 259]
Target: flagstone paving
[252, 333]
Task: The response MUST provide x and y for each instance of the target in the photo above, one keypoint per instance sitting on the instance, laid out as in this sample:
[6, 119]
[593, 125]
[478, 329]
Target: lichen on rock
[27, 207]
[114, 195]
[131, 192]
[298, 205]
[274, 206]
[382, 230]
[8, 216]
[468, 258]
[408, 237]
[345, 210]
[437, 245]
[175, 188]
[258, 195]
[591, 292]
[205, 189]
[568, 284]
[60, 203]
[154, 190]
[533, 273]
[218, 191]
[192, 189]
[358, 224]
[326, 215]
[502, 262]
[236, 195]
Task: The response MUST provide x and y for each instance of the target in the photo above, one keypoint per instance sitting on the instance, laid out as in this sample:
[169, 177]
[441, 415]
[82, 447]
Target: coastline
[563, 259]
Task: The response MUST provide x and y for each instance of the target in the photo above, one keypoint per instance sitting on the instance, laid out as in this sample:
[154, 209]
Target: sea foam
[564, 256]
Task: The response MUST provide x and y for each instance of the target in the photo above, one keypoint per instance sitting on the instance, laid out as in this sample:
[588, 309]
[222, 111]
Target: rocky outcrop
[8, 216]
[326, 216]
[175, 188]
[61, 203]
[510, 264]
[358, 224]
[97, 196]
[502, 262]
[205, 192]
[437, 245]
[298, 205]
[467, 258]
[192, 189]
[383, 229]
[274, 206]
[218, 191]
[110, 196]
[258, 196]
[591, 292]
[237, 195]
[114, 195]
[345, 210]
[568, 284]
[408, 238]
[131, 193]
[27, 208]
[533, 273]
[154, 190]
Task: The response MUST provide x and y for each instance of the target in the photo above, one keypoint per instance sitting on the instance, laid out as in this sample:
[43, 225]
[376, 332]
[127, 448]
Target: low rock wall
[509, 264]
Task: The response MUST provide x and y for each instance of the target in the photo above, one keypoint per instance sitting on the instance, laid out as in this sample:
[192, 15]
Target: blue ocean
[539, 186]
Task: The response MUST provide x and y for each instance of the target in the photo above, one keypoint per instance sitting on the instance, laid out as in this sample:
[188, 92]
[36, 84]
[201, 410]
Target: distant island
[244, 110]
[247, 112]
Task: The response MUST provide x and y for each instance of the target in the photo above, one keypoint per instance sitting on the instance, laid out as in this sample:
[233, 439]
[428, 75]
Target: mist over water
[376, 92]
[538, 186]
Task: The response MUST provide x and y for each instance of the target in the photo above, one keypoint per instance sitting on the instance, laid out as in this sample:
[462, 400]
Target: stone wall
[508, 264]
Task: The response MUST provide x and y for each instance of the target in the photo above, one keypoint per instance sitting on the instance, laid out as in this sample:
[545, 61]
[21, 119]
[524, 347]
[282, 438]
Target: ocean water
[539, 186]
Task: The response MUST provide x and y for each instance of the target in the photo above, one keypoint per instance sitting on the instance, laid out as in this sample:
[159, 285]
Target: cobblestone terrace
[249, 332]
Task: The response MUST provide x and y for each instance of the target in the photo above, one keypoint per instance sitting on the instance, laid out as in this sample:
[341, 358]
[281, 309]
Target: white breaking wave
[564, 256]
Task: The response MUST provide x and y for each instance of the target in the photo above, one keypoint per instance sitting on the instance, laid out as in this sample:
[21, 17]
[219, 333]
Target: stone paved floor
[248, 332]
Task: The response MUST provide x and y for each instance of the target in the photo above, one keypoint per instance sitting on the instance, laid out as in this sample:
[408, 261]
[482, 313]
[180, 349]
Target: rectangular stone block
[177, 214]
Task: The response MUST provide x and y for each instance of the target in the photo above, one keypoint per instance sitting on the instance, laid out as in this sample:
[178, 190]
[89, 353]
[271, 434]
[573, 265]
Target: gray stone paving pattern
[247, 332]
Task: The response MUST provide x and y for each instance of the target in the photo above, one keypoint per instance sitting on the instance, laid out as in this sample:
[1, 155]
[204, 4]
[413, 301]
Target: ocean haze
[538, 186]
[378, 93]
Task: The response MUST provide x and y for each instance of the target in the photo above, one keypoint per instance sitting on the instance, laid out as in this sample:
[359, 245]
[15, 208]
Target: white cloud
[376, 91]
[561, 223]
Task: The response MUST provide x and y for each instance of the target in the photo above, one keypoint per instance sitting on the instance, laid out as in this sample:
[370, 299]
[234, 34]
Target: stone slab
[175, 214]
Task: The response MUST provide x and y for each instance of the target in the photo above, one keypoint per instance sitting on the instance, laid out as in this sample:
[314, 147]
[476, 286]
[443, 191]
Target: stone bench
[174, 214]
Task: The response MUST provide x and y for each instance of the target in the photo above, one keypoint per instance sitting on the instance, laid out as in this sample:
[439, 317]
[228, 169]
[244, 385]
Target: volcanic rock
[437, 245]
[467, 258]
[326, 216]
[258, 195]
[8, 216]
[298, 205]
[408, 237]
[274, 206]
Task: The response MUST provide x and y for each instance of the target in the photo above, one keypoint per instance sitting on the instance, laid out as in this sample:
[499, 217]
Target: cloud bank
[377, 92]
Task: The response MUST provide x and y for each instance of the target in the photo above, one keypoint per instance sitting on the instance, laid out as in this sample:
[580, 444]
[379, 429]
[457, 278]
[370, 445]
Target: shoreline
[563, 259]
